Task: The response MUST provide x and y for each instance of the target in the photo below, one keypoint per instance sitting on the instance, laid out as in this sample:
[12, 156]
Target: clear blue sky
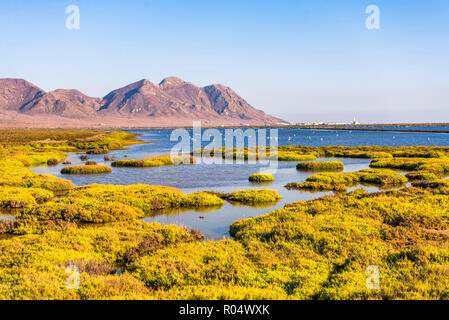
[301, 60]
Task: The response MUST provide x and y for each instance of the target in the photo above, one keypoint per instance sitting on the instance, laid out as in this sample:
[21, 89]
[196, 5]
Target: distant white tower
[355, 121]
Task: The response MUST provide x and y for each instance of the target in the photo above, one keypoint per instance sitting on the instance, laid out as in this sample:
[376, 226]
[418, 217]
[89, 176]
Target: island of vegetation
[341, 181]
[86, 169]
[320, 166]
[261, 177]
[159, 161]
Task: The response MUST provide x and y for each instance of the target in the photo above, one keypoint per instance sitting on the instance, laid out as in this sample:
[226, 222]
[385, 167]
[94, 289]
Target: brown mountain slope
[16, 92]
[142, 98]
[143, 103]
[174, 97]
[66, 103]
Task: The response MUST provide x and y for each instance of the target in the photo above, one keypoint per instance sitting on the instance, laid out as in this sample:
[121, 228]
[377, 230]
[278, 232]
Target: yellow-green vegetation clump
[291, 156]
[87, 210]
[373, 152]
[422, 175]
[381, 177]
[144, 197]
[437, 166]
[335, 239]
[35, 147]
[23, 148]
[328, 181]
[13, 173]
[305, 153]
[100, 204]
[19, 197]
[319, 249]
[320, 166]
[261, 177]
[159, 161]
[34, 266]
[254, 196]
[433, 184]
[255, 153]
[98, 151]
[339, 182]
[86, 169]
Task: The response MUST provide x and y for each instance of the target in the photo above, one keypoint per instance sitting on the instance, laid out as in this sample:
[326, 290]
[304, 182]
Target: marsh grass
[261, 178]
[86, 169]
[339, 182]
[422, 175]
[320, 166]
[159, 161]
[254, 196]
[255, 153]
[438, 166]
[19, 197]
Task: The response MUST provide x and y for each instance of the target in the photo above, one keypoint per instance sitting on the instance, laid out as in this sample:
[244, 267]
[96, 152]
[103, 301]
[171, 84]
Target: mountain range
[172, 102]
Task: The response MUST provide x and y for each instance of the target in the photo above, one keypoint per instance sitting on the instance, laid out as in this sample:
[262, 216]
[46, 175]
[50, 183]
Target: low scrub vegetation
[145, 197]
[98, 151]
[19, 197]
[320, 166]
[437, 166]
[261, 177]
[255, 153]
[422, 175]
[13, 173]
[154, 162]
[254, 196]
[339, 182]
[86, 169]
[99, 204]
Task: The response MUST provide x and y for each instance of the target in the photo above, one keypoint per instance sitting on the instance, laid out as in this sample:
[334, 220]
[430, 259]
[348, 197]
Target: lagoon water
[214, 223]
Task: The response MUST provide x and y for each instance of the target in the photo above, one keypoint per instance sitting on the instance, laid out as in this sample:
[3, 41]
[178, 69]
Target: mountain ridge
[172, 98]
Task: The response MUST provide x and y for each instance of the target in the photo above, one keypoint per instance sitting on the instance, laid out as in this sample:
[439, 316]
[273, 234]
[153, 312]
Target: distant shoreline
[358, 127]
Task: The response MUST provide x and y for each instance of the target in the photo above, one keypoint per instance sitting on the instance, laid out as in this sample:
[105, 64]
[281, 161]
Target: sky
[309, 60]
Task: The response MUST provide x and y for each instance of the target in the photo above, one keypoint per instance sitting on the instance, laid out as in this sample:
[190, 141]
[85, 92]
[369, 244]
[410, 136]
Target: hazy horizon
[307, 61]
